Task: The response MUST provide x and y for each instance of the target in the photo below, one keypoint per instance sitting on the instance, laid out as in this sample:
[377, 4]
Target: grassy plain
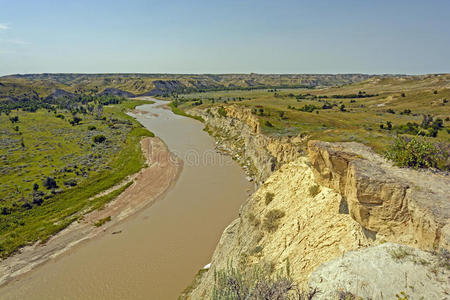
[81, 169]
[360, 118]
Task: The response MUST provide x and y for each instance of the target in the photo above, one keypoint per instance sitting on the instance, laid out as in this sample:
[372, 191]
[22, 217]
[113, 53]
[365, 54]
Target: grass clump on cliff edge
[272, 219]
[416, 153]
[222, 112]
[256, 282]
[178, 111]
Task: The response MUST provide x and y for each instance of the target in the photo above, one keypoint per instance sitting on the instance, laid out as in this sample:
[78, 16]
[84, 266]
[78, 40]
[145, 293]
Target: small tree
[14, 119]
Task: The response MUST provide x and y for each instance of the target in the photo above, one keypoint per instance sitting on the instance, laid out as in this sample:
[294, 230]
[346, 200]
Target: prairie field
[372, 112]
[50, 168]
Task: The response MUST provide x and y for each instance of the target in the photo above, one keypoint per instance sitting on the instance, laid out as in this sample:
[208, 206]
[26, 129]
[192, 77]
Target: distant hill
[165, 84]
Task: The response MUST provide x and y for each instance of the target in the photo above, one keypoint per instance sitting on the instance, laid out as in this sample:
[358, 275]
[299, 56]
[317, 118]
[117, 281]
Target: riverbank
[140, 190]
[155, 253]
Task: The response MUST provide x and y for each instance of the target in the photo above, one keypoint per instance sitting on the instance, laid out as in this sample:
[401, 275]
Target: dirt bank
[148, 185]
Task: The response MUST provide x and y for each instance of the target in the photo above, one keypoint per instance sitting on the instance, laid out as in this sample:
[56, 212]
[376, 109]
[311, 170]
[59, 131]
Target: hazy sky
[227, 36]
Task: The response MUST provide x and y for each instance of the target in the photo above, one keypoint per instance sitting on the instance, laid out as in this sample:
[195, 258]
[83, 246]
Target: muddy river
[161, 248]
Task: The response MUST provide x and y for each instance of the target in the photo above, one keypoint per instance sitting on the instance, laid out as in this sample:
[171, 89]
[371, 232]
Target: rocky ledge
[397, 204]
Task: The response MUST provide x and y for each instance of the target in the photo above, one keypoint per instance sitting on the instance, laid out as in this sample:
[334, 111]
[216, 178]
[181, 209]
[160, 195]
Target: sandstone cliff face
[239, 134]
[398, 204]
[342, 197]
[312, 231]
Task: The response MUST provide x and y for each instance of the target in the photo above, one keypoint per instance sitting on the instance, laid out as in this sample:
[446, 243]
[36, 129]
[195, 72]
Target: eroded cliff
[237, 132]
[398, 204]
[314, 207]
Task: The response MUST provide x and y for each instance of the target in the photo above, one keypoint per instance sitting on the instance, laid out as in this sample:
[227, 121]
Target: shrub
[428, 127]
[272, 219]
[327, 106]
[256, 282]
[102, 221]
[49, 183]
[75, 121]
[254, 220]
[406, 112]
[389, 125]
[91, 127]
[222, 112]
[14, 119]
[71, 182]
[269, 197]
[415, 152]
[308, 108]
[99, 138]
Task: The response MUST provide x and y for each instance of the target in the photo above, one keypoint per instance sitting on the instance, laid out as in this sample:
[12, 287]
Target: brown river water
[161, 247]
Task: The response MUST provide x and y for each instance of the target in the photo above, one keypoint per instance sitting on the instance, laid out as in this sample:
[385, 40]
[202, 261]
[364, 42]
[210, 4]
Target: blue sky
[232, 36]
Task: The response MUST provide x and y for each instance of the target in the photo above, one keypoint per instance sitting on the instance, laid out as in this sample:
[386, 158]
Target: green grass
[25, 226]
[101, 222]
[361, 120]
[179, 111]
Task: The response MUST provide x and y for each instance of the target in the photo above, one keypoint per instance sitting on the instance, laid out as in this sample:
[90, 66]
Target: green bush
[222, 112]
[308, 108]
[91, 127]
[415, 153]
[49, 183]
